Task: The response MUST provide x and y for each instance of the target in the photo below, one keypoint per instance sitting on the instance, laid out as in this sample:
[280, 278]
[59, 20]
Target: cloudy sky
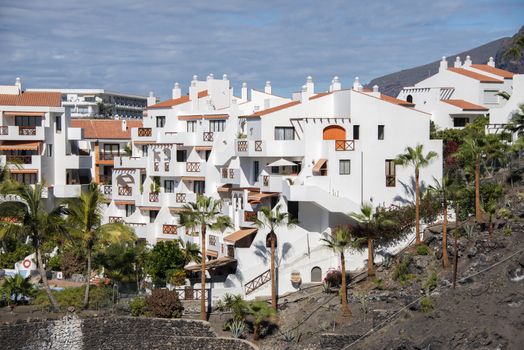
[136, 47]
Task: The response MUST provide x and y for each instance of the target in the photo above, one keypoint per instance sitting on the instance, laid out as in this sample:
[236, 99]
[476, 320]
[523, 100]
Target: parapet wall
[73, 333]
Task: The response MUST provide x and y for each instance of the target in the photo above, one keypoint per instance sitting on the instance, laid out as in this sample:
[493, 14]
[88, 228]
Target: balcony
[77, 162]
[116, 219]
[13, 132]
[154, 197]
[273, 148]
[130, 162]
[106, 190]
[16, 159]
[230, 176]
[193, 167]
[68, 191]
[169, 229]
[208, 136]
[344, 145]
[125, 191]
[145, 132]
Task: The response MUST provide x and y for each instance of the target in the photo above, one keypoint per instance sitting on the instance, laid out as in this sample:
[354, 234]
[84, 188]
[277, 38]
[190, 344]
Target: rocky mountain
[391, 84]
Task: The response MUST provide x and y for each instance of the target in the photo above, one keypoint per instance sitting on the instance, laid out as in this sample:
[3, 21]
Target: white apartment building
[319, 155]
[457, 95]
[90, 103]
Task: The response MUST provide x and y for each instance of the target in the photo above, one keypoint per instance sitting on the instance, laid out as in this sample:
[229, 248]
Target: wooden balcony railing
[193, 167]
[107, 190]
[4, 130]
[265, 180]
[27, 130]
[212, 240]
[258, 146]
[390, 181]
[208, 136]
[144, 132]
[242, 146]
[105, 179]
[169, 229]
[180, 197]
[108, 156]
[125, 191]
[156, 166]
[231, 173]
[166, 166]
[250, 216]
[231, 251]
[224, 173]
[115, 219]
[190, 293]
[153, 197]
[344, 145]
[16, 159]
[135, 224]
[257, 282]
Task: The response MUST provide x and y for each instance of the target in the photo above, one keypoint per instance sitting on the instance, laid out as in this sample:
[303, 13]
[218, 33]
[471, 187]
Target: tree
[165, 258]
[261, 312]
[340, 241]
[205, 213]
[16, 287]
[516, 124]
[34, 222]
[490, 194]
[471, 153]
[85, 224]
[272, 220]
[191, 252]
[416, 158]
[371, 226]
[443, 192]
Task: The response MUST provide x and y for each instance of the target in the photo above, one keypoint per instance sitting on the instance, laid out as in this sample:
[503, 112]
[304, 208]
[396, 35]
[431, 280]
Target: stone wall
[330, 341]
[72, 333]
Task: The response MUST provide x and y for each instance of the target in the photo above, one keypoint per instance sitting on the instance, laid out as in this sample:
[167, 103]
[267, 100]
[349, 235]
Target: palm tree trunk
[478, 214]
[273, 274]
[88, 280]
[41, 270]
[256, 331]
[417, 208]
[455, 248]
[203, 313]
[445, 259]
[345, 309]
[371, 270]
[490, 226]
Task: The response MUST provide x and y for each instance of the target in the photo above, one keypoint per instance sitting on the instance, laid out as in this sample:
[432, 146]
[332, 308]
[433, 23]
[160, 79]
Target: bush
[426, 304]
[15, 289]
[423, 250]
[378, 283]
[99, 298]
[138, 306]
[178, 278]
[8, 260]
[164, 303]
[334, 278]
[431, 282]
[55, 263]
[401, 272]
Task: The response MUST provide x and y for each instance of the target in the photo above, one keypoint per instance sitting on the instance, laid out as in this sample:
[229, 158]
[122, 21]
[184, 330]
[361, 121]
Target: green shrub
[423, 250]
[138, 306]
[9, 259]
[426, 304]
[16, 288]
[431, 282]
[401, 272]
[55, 263]
[178, 278]
[164, 303]
[507, 232]
[378, 283]
[99, 298]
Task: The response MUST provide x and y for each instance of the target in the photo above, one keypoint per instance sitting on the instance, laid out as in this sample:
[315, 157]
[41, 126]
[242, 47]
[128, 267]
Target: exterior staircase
[257, 282]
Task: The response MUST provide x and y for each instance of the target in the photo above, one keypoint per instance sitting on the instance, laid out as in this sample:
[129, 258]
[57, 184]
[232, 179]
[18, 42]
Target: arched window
[316, 274]
[409, 99]
[334, 132]
[268, 240]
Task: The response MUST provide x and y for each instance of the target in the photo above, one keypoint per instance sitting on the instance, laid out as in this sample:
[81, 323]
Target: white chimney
[177, 92]
[356, 83]
[124, 125]
[193, 93]
[491, 62]
[210, 76]
[443, 64]
[244, 92]
[151, 100]
[335, 84]
[304, 94]
[467, 62]
[360, 88]
[457, 63]
[224, 77]
[310, 86]
[375, 92]
[267, 87]
[18, 84]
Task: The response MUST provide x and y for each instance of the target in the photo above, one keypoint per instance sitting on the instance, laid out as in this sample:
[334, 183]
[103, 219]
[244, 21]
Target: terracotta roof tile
[319, 95]
[497, 71]
[105, 128]
[465, 105]
[31, 98]
[480, 77]
[274, 109]
[176, 101]
[396, 101]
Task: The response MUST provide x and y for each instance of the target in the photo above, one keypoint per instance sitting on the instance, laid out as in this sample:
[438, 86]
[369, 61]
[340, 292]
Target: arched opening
[409, 99]
[334, 132]
[316, 274]
[268, 239]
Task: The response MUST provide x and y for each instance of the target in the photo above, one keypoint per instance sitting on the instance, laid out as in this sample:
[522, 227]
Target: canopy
[19, 146]
[318, 165]
[222, 261]
[282, 162]
[238, 235]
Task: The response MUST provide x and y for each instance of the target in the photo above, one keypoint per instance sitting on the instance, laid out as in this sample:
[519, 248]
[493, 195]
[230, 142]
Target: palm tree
[416, 158]
[191, 252]
[274, 219]
[85, 223]
[205, 213]
[471, 150]
[261, 312]
[371, 224]
[340, 241]
[516, 124]
[34, 222]
[16, 287]
[443, 191]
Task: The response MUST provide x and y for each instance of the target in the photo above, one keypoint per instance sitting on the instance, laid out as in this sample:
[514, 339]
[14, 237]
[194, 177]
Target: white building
[320, 155]
[90, 103]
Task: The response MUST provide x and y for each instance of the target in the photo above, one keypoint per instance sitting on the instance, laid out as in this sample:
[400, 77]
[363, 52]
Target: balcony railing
[27, 130]
[212, 240]
[250, 216]
[107, 190]
[125, 191]
[166, 166]
[258, 146]
[193, 167]
[4, 130]
[180, 197]
[189, 293]
[242, 146]
[144, 132]
[265, 180]
[115, 219]
[224, 173]
[257, 282]
[16, 159]
[108, 156]
[231, 173]
[231, 251]
[157, 166]
[153, 197]
[208, 136]
[390, 181]
[105, 179]
[169, 229]
[344, 145]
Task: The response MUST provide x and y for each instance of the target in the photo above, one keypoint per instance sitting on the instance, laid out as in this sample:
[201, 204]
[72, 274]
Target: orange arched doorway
[334, 132]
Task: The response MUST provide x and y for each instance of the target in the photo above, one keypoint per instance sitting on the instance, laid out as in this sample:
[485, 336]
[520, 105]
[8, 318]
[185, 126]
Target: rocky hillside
[391, 84]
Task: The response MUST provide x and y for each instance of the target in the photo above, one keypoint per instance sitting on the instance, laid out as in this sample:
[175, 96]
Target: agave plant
[237, 328]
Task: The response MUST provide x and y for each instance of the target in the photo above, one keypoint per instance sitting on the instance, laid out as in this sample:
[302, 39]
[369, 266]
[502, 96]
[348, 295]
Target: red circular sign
[26, 263]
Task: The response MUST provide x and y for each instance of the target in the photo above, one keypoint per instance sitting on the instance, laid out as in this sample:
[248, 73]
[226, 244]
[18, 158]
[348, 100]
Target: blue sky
[136, 47]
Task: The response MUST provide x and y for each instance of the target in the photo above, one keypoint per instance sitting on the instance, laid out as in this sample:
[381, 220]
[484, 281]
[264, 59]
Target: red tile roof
[105, 128]
[396, 101]
[497, 71]
[319, 95]
[480, 77]
[32, 98]
[465, 105]
[274, 109]
[176, 101]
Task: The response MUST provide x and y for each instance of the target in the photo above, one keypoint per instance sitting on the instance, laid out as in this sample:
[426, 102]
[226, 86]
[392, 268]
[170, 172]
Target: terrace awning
[282, 162]
[124, 202]
[20, 146]
[238, 235]
[258, 196]
[148, 208]
[212, 253]
[319, 164]
[25, 114]
[222, 261]
[193, 178]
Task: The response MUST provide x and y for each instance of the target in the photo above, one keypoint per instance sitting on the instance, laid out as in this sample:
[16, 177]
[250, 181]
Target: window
[169, 186]
[491, 97]
[356, 132]
[256, 170]
[409, 99]
[49, 150]
[292, 209]
[160, 121]
[199, 187]
[390, 173]
[144, 150]
[152, 215]
[344, 167]
[28, 121]
[217, 125]
[58, 123]
[381, 132]
[181, 155]
[111, 150]
[191, 125]
[460, 122]
[284, 133]
[130, 209]
[207, 154]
